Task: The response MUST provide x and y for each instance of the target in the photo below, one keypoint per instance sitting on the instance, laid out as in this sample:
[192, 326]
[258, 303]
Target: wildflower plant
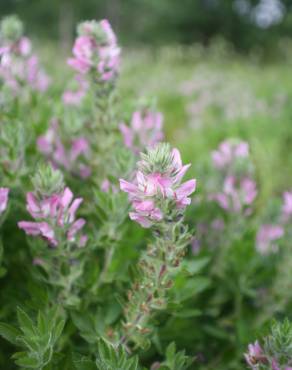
[99, 266]
[54, 212]
[158, 199]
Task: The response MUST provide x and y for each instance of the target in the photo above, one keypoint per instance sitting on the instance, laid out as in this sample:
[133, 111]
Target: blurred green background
[244, 23]
[218, 68]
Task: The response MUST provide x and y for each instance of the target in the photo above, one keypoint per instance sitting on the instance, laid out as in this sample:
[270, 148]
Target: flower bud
[47, 181]
[11, 28]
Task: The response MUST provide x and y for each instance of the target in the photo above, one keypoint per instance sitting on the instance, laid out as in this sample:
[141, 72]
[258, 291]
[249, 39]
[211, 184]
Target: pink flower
[287, 205]
[4, 192]
[71, 159]
[83, 51]
[275, 365]
[145, 130]
[228, 152]
[237, 195]
[55, 218]
[24, 46]
[255, 356]
[75, 97]
[150, 190]
[106, 27]
[36, 77]
[96, 50]
[19, 67]
[266, 237]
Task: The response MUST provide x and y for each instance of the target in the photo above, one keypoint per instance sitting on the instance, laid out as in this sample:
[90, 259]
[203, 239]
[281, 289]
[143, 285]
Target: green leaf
[187, 312]
[9, 333]
[195, 266]
[112, 358]
[25, 323]
[58, 330]
[21, 359]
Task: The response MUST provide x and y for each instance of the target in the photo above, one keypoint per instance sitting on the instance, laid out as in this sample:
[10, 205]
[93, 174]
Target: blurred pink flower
[255, 356]
[55, 218]
[287, 204]
[228, 151]
[275, 365]
[99, 54]
[18, 67]
[51, 145]
[145, 130]
[4, 192]
[266, 237]
[237, 195]
[74, 97]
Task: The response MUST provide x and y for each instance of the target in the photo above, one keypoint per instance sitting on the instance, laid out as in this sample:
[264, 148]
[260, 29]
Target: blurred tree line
[244, 23]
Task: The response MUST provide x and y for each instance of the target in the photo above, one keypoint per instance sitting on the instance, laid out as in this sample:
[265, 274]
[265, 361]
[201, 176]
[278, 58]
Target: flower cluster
[238, 187]
[18, 66]
[267, 236]
[228, 152]
[144, 131]
[255, 357]
[54, 218]
[157, 189]
[51, 145]
[4, 192]
[96, 51]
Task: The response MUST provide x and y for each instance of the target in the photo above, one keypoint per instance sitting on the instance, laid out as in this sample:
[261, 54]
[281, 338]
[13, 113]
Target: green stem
[108, 260]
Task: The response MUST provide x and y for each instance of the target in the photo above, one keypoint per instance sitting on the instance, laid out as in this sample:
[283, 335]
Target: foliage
[187, 285]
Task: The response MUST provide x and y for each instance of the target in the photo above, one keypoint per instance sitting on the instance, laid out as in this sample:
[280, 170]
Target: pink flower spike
[55, 217]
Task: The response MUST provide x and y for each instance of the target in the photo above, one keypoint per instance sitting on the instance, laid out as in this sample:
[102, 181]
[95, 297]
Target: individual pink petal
[66, 197]
[32, 205]
[30, 228]
[127, 135]
[78, 224]
[144, 206]
[79, 65]
[127, 187]
[177, 162]
[186, 189]
[143, 221]
[73, 208]
[181, 173]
